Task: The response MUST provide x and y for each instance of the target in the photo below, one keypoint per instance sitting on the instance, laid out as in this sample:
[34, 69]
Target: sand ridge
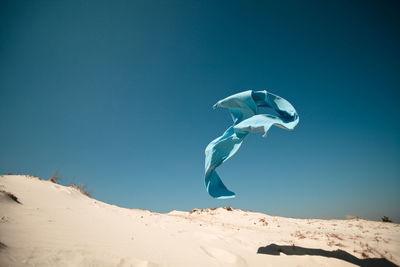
[55, 225]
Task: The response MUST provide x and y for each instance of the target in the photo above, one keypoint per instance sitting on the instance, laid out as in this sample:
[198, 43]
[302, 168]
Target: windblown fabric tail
[244, 110]
[216, 188]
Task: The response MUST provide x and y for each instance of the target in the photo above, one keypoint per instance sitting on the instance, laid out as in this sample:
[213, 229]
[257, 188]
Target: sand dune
[47, 224]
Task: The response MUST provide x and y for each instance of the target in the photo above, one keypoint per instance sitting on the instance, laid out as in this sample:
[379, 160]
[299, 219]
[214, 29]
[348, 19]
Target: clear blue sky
[119, 95]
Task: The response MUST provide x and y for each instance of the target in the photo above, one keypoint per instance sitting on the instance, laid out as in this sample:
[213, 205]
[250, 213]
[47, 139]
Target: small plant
[194, 210]
[55, 178]
[365, 255]
[386, 219]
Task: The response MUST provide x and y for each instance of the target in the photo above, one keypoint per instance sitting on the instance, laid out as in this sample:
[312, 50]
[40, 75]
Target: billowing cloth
[244, 110]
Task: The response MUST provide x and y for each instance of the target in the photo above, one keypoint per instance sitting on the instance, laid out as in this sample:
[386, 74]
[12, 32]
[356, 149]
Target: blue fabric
[244, 110]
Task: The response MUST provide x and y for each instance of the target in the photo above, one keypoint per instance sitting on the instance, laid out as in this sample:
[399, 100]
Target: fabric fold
[246, 119]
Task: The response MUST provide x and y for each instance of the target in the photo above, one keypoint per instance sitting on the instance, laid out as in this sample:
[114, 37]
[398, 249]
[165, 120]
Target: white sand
[58, 226]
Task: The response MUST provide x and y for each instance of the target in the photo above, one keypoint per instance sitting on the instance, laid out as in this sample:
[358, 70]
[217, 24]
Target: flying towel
[244, 110]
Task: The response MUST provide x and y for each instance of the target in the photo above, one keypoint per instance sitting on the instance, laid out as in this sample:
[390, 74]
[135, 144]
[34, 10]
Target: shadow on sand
[274, 249]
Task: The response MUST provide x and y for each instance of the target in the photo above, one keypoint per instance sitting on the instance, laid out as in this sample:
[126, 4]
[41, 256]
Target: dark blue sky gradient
[119, 95]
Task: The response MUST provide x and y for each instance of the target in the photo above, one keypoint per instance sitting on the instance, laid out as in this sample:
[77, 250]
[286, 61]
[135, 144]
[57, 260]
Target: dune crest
[55, 225]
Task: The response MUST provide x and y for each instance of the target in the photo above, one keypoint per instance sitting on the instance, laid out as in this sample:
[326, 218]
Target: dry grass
[198, 211]
[263, 222]
[194, 210]
[298, 234]
[56, 178]
[81, 188]
[386, 219]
